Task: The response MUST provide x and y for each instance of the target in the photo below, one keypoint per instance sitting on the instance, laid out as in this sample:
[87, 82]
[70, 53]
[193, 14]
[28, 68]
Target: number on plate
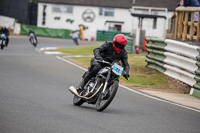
[117, 69]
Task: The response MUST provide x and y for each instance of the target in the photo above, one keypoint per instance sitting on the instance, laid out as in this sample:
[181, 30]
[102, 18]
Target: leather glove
[126, 75]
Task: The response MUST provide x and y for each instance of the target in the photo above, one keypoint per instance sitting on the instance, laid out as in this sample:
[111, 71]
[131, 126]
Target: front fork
[106, 82]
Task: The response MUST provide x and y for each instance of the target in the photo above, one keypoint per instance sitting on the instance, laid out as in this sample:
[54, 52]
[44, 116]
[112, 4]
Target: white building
[153, 16]
[112, 15]
[94, 14]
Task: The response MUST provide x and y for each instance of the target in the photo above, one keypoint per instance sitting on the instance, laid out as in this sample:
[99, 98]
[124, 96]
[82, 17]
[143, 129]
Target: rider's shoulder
[108, 42]
[124, 52]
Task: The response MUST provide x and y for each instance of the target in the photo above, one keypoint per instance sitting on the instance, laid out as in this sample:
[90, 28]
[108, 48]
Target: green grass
[84, 50]
[139, 74]
[85, 61]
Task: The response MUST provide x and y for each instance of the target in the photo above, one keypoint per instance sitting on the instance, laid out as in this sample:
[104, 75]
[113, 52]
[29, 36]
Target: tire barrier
[175, 59]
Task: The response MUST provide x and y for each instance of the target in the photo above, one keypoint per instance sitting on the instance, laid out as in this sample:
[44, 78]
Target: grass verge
[140, 76]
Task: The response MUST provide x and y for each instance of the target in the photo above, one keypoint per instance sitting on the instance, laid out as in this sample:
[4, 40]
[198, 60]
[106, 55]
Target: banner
[46, 32]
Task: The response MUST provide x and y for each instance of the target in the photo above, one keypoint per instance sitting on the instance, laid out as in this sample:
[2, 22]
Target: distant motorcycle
[101, 89]
[33, 40]
[3, 40]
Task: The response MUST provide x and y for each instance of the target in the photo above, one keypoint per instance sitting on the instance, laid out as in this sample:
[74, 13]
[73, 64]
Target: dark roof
[99, 3]
[169, 4]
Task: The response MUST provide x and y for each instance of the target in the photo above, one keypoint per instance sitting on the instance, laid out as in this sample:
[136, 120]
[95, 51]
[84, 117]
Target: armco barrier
[46, 32]
[177, 60]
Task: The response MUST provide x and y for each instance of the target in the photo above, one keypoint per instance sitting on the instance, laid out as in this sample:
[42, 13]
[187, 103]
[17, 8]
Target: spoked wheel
[105, 99]
[77, 100]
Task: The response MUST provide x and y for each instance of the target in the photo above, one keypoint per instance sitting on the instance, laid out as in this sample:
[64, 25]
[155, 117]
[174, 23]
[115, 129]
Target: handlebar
[127, 78]
[106, 62]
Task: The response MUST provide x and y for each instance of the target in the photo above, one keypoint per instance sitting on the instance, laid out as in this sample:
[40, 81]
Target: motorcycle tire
[105, 99]
[31, 41]
[6, 44]
[35, 44]
[77, 101]
[2, 46]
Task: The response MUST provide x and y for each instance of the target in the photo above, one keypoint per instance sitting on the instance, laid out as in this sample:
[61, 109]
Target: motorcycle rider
[108, 50]
[5, 31]
[31, 31]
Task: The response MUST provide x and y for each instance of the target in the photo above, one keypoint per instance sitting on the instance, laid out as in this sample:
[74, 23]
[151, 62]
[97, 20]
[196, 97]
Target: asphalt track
[34, 98]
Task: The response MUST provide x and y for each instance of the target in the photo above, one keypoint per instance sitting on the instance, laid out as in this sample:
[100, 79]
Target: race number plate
[117, 69]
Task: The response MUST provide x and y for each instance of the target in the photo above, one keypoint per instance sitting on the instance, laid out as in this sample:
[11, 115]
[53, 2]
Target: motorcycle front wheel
[105, 99]
[77, 101]
[35, 44]
[2, 46]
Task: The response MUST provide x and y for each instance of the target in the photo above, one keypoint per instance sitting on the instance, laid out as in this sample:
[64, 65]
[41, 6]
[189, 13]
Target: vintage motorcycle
[33, 39]
[3, 41]
[101, 89]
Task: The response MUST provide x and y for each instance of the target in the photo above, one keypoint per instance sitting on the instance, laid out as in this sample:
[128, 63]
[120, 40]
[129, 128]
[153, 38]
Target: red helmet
[119, 42]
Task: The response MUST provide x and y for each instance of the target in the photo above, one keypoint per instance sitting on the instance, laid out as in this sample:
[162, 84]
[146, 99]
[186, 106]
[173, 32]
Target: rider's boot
[85, 78]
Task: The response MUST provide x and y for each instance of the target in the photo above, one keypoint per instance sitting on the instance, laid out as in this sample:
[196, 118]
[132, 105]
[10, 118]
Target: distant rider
[32, 32]
[108, 50]
[5, 31]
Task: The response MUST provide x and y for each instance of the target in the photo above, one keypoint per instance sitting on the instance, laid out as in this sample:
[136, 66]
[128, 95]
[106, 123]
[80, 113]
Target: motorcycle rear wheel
[104, 100]
[6, 43]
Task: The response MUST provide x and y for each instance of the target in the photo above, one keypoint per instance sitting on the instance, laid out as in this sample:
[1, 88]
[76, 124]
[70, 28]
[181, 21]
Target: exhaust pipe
[73, 90]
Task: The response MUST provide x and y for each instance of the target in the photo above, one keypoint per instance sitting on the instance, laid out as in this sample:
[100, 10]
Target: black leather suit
[6, 32]
[30, 31]
[105, 51]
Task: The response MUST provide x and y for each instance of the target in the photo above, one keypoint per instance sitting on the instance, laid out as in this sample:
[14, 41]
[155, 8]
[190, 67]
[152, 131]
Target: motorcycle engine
[89, 88]
[90, 85]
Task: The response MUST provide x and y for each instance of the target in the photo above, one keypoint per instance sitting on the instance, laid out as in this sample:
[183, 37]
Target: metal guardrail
[177, 60]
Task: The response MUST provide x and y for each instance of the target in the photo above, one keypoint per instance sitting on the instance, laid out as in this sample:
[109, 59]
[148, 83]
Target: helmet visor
[119, 46]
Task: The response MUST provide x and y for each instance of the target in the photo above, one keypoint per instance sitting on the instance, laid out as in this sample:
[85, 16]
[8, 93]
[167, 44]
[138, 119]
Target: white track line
[137, 92]
[38, 50]
[71, 63]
